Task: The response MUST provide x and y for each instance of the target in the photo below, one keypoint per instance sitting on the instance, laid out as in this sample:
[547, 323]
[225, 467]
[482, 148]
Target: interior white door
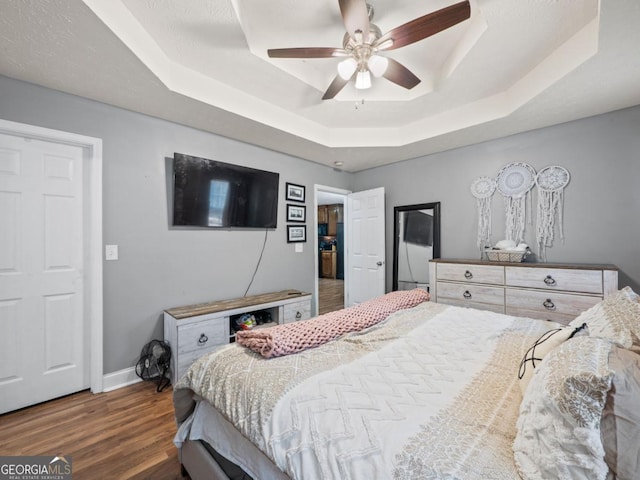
[43, 342]
[365, 246]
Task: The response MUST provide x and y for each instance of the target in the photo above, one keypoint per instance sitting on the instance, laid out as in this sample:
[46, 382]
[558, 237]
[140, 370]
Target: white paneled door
[365, 246]
[44, 343]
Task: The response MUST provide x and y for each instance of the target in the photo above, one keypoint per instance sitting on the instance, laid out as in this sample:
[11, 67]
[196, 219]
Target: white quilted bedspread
[429, 393]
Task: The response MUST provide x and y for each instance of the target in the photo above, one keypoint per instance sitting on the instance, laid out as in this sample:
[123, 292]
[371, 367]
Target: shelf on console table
[549, 291]
[195, 330]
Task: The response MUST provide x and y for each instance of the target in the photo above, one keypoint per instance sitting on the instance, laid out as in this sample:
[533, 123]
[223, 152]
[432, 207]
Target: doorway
[51, 275]
[330, 242]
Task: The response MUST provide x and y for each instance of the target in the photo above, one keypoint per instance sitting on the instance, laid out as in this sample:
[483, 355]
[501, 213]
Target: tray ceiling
[511, 67]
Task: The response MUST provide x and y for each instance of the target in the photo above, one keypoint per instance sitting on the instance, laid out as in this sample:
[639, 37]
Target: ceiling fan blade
[400, 75]
[335, 87]
[355, 16]
[307, 52]
[425, 26]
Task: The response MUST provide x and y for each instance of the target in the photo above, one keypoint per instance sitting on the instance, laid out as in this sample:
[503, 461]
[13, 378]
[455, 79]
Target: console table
[194, 330]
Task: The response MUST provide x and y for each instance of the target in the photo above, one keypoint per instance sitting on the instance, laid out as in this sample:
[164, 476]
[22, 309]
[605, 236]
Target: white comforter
[429, 393]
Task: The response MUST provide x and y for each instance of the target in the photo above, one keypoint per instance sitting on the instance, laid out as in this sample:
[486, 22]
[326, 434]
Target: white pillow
[558, 430]
[539, 350]
[616, 318]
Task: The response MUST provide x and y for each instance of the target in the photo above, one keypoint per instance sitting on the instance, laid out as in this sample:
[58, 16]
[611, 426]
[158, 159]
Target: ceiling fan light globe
[363, 80]
[378, 65]
[346, 68]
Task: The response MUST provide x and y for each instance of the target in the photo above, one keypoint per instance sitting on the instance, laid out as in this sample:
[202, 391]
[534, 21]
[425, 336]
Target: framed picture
[296, 233]
[295, 193]
[296, 213]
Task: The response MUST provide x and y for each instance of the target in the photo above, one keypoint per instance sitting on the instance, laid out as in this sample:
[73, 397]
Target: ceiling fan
[363, 42]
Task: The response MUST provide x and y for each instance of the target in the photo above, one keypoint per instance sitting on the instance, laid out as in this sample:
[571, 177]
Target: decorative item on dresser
[549, 291]
[194, 330]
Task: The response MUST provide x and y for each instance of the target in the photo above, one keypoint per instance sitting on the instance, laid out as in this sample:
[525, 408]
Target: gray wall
[602, 200]
[160, 267]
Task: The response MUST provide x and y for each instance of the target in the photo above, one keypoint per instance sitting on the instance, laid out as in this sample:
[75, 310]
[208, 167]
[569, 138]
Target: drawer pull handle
[466, 294]
[203, 339]
[550, 281]
[468, 275]
[298, 315]
[548, 304]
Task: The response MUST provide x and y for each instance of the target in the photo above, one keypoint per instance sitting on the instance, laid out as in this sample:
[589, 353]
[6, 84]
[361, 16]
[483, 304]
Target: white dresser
[550, 291]
[194, 330]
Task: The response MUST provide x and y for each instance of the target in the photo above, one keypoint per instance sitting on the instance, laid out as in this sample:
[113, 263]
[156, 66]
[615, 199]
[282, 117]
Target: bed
[419, 390]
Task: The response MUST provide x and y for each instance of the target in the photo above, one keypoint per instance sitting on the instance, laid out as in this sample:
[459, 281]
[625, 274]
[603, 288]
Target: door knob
[379, 263]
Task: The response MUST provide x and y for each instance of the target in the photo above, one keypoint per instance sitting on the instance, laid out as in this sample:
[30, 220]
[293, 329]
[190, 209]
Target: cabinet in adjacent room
[323, 214]
[331, 215]
[335, 216]
[329, 267]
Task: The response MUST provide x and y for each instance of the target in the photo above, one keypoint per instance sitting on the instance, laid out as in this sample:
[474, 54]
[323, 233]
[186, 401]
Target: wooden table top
[577, 266]
[234, 303]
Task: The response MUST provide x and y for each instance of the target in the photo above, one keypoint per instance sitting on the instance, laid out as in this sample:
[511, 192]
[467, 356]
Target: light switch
[299, 248]
[111, 252]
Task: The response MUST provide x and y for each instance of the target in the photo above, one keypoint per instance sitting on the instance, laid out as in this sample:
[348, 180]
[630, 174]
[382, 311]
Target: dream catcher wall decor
[483, 188]
[514, 181]
[551, 182]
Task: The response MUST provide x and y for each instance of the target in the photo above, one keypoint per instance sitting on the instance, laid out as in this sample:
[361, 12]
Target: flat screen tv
[208, 193]
[418, 228]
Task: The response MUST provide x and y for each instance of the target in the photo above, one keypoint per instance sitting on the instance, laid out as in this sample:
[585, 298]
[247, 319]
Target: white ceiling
[512, 67]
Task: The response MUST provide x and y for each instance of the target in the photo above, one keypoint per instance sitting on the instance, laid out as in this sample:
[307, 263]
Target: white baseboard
[119, 379]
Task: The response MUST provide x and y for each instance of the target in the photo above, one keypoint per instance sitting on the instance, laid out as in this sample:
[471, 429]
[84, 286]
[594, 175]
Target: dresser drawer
[203, 335]
[490, 274]
[469, 304]
[559, 307]
[471, 295]
[186, 359]
[568, 280]
[297, 311]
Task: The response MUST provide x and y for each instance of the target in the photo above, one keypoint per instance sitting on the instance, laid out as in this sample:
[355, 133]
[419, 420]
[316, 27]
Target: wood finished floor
[330, 295]
[123, 434]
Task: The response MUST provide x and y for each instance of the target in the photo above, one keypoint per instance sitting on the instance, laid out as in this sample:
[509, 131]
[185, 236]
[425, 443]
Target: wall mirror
[416, 240]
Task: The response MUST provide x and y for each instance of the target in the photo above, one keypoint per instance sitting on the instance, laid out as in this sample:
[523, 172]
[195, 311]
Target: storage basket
[513, 256]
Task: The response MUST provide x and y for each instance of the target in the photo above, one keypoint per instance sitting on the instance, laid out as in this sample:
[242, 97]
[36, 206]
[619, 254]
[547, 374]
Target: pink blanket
[295, 337]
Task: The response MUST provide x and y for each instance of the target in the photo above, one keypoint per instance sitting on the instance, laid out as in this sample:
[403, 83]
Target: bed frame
[196, 461]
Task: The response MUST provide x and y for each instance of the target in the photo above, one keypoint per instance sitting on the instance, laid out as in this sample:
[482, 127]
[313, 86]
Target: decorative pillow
[558, 430]
[616, 318]
[539, 350]
[633, 296]
[620, 425]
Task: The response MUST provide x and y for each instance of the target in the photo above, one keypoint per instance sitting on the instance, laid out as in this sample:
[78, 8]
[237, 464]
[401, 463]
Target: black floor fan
[154, 363]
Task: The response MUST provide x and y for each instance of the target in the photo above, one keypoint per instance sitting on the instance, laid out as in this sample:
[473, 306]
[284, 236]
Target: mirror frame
[435, 206]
